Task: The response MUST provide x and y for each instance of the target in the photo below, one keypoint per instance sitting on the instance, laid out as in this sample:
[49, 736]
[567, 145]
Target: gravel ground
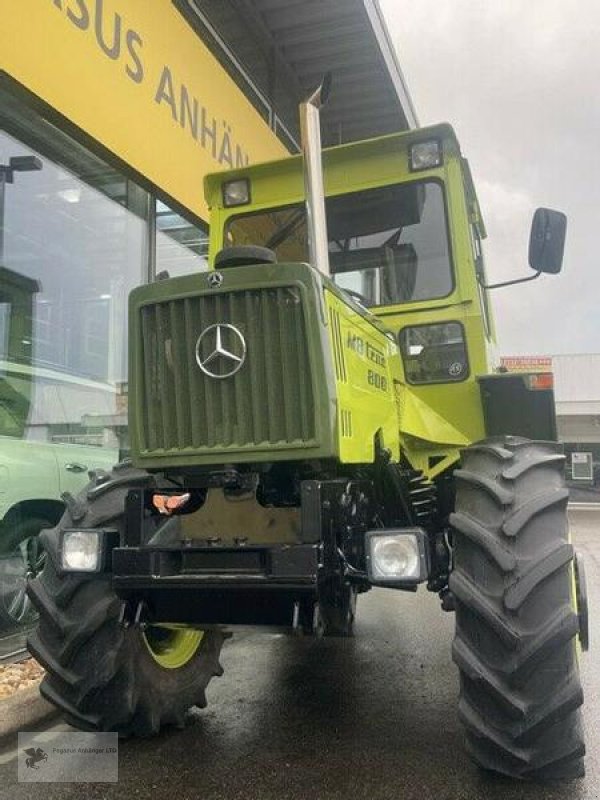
[14, 677]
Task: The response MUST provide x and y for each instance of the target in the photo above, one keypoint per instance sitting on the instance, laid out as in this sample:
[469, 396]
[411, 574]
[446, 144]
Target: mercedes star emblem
[214, 279]
[226, 351]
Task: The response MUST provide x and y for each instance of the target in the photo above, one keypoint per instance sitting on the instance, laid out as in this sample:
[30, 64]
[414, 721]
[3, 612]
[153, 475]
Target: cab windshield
[387, 246]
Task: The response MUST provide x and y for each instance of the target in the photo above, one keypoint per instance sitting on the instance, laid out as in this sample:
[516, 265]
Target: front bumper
[218, 585]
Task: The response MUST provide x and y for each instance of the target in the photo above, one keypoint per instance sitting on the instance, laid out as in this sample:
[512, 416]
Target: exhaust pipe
[310, 128]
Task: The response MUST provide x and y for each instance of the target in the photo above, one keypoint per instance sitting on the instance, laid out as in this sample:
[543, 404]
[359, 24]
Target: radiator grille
[269, 402]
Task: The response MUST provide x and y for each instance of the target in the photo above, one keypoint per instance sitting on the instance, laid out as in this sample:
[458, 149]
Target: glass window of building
[73, 243]
[72, 246]
[181, 246]
[70, 256]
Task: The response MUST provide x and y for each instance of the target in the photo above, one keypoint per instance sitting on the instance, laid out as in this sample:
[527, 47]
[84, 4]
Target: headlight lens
[397, 556]
[425, 155]
[236, 193]
[81, 551]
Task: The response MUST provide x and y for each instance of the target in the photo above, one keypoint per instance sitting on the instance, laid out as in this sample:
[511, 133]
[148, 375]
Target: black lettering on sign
[188, 112]
[241, 158]
[225, 151]
[210, 132]
[120, 43]
[109, 30]
[195, 118]
[165, 92]
[81, 20]
[113, 50]
[136, 73]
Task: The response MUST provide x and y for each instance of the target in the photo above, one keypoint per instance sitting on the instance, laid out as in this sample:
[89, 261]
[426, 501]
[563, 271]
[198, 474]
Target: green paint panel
[276, 406]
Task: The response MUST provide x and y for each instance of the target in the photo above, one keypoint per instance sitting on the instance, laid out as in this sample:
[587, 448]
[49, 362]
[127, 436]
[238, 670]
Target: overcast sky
[520, 82]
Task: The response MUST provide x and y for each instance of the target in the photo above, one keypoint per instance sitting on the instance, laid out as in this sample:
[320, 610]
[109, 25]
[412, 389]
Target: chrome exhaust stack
[310, 128]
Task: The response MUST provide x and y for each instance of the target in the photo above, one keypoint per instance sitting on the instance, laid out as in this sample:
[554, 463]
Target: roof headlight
[236, 193]
[425, 155]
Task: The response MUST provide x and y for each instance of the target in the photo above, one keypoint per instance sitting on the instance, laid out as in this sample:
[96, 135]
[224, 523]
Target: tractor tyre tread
[516, 628]
[100, 674]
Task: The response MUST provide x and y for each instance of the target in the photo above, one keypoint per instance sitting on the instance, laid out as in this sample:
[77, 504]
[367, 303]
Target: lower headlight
[397, 556]
[82, 551]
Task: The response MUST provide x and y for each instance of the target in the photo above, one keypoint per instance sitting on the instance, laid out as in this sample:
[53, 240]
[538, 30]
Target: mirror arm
[506, 283]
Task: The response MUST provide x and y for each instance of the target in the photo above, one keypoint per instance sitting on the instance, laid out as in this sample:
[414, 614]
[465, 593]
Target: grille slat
[165, 383]
[148, 431]
[304, 384]
[207, 404]
[255, 376]
[241, 381]
[177, 343]
[272, 411]
[269, 401]
[189, 351]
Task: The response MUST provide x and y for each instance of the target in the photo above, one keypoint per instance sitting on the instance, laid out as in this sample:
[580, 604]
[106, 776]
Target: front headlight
[82, 550]
[397, 556]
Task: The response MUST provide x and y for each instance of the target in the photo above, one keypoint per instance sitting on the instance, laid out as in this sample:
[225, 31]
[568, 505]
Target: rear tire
[101, 675]
[520, 691]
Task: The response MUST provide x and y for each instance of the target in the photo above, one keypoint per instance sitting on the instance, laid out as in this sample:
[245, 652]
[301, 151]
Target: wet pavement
[369, 717]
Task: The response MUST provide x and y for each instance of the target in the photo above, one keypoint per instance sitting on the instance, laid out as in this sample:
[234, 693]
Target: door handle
[75, 467]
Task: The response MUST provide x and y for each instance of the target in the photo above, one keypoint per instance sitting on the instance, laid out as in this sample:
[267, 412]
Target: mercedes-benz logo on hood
[214, 279]
[220, 351]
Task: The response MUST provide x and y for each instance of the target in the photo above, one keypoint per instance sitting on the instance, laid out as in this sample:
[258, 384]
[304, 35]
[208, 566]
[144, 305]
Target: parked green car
[48, 444]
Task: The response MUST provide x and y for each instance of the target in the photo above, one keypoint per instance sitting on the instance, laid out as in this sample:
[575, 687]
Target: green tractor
[309, 419]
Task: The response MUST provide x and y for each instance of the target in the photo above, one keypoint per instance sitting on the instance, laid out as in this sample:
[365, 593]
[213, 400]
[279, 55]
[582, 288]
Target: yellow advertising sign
[133, 75]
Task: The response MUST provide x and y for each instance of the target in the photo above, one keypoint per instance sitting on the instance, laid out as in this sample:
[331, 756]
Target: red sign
[527, 363]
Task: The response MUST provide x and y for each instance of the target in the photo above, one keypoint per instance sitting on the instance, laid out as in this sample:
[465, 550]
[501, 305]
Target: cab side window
[434, 353]
[476, 244]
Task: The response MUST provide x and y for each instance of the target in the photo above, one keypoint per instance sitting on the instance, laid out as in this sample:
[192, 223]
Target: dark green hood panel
[269, 322]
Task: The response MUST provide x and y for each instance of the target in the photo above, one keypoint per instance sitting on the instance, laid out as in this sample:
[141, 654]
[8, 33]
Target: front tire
[21, 558]
[103, 676]
[516, 626]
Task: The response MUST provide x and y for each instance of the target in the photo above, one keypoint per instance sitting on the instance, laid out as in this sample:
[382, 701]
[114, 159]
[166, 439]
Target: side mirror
[547, 240]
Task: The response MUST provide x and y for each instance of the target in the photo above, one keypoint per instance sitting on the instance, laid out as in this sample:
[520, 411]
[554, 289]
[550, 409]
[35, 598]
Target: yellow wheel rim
[172, 646]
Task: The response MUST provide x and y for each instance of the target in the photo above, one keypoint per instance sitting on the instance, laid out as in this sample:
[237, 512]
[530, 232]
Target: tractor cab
[404, 236]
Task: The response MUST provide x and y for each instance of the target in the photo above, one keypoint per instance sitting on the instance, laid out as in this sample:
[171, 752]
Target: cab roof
[289, 170]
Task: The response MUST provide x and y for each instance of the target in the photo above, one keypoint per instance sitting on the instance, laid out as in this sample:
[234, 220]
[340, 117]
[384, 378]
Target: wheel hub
[172, 646]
